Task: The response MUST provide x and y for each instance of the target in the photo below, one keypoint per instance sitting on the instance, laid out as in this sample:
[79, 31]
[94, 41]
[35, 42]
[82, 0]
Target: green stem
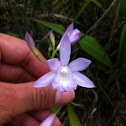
[36, 54]
[40, 59]
[58, 110]
[54, 52]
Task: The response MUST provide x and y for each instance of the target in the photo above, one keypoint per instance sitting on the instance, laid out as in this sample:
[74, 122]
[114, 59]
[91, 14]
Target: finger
[43, 114]
[15, 51]
[34, 120]
[15, 74]
[16, 99]
[25, 120]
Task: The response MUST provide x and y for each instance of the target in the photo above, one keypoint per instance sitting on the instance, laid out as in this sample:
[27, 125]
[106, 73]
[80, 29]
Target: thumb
[19, 98]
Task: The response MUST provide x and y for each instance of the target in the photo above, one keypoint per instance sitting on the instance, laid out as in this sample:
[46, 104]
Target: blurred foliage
[73, 118]
[103, 40]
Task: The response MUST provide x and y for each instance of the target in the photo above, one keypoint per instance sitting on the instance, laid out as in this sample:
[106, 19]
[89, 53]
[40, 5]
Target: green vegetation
[103, 40]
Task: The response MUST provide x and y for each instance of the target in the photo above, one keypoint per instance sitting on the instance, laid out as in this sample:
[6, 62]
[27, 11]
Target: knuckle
[26, 60]
[43, 98]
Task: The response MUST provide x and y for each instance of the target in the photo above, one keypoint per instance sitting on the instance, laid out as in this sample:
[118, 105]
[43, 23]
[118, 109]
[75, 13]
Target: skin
[20, 103]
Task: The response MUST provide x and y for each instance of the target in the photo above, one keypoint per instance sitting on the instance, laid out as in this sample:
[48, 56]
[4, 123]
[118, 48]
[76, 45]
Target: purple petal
[82, 80]
[63, 80]
[79, 64]
[45, 80]
[48, 121]
[54, 64]
[65, 51]
[74, 37]
[69, 30]
[30, 41]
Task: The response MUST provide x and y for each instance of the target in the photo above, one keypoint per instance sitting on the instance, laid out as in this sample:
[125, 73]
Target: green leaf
[93, 48]
[82, 9]
[54, 2]
[13, 34]
[55, 109]
[121, 59]
[98, 4]
[56, 27]
[118, 123]
[122, 11]
[73, 118]
[123, 6]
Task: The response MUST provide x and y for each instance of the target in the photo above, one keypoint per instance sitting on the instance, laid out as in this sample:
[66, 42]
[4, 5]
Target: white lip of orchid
[64, 77]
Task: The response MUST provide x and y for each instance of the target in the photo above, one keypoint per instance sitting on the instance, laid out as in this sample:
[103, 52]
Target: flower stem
[37, 56]
[54, 52]
[40, 59]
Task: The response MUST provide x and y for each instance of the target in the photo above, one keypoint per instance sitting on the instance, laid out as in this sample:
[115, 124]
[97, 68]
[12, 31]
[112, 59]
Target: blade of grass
[73, 118]
[56, 27]
[122, 11]
[98, 4]
[121, 58]
[82, 9]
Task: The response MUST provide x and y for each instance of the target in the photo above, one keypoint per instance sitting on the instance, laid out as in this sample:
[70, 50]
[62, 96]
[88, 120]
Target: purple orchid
[64, 76]
[48, 121]
[73, 34]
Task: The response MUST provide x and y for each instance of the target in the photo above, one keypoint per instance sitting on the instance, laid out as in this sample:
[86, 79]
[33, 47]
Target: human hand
[20, 103]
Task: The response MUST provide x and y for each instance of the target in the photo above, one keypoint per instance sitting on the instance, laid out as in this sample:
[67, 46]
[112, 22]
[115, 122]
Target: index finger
[15, 51]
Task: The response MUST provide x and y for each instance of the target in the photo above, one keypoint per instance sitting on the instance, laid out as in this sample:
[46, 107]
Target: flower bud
[74, 37]
[29, 41]
[73, 34]
[52, 38]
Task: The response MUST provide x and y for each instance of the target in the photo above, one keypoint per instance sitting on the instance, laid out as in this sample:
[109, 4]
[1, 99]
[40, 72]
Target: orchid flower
[73, 34]
[48, 121]
[64, 76]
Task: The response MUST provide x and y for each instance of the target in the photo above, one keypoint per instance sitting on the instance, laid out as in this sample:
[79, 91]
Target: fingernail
[57, 97]
[73, 94]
